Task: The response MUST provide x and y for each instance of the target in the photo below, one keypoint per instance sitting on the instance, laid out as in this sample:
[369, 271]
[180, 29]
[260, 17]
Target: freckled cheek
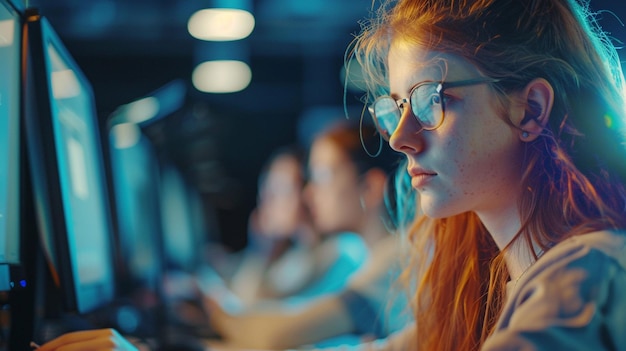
[465, 159]
[471, 168]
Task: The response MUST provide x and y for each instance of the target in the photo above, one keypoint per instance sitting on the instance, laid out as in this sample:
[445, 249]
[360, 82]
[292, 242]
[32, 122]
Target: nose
[407, 138]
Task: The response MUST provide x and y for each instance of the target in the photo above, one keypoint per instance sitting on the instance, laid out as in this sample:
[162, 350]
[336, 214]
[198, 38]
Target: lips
[419, 176]
[415, 172]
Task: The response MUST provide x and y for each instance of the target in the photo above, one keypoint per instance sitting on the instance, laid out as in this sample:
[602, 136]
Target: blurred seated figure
[280, 236]
[346, 193]
[285, 257]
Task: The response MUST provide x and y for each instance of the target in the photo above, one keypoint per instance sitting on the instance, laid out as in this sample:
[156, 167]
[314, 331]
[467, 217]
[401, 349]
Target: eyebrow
[395, 96]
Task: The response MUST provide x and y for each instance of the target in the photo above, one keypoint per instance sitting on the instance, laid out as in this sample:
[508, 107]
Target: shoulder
[576, 292]
[580, 260]
[340, 251]
[611, 244]
[345, 244]
[348, 238]
[382, 267]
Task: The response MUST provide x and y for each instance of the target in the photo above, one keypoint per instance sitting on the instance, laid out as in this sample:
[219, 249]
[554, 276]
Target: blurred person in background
[281, 237]
[347, 191]
[285, 256]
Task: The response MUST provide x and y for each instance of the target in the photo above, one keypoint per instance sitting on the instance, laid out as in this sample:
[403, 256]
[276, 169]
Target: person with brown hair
[346, 192]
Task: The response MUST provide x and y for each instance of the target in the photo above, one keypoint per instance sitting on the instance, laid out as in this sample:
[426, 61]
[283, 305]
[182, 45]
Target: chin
[435, 208]
[433, 214]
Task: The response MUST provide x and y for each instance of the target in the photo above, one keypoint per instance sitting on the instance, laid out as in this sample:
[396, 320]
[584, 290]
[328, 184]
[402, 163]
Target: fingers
[96, 340]
[70, 338]
[213, 308]
[217, 316]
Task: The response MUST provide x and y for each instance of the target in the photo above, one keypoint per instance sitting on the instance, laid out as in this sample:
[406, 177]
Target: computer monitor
[66, 166]
[182, 233]
[10, 54]
[135, 172]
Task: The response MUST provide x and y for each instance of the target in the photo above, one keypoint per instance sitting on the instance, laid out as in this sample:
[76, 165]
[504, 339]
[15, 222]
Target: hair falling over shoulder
[451, 258]
[574, 174]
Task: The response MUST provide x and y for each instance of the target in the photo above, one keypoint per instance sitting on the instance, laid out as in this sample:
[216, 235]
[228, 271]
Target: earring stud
[525, 134]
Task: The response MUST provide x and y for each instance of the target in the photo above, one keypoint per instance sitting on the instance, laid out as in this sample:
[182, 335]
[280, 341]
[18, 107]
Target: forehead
[414, 63]
[326, 152]
[283, 169]
[284, 164]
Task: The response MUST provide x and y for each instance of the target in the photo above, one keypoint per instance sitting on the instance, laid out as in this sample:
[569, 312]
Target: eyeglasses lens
[425, 101]
[426, 106]
[386, 116]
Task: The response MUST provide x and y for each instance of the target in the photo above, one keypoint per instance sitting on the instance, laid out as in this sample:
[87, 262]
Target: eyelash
[449, 98]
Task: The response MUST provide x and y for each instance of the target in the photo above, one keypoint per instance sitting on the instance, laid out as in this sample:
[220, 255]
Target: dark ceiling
[129, 48]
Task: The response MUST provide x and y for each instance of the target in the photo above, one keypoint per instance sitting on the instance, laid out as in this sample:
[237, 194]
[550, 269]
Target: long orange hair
[573, 175]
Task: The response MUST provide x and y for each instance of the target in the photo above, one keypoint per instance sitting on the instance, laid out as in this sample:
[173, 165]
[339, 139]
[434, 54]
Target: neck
[372, 229]
[503, 225]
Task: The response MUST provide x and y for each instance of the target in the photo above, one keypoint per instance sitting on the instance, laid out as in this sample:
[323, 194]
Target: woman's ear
[538, 97]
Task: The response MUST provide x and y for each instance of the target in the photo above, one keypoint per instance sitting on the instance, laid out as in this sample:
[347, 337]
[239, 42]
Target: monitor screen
[10, 49]
[66, 160]
[182, 238]
[135, 172]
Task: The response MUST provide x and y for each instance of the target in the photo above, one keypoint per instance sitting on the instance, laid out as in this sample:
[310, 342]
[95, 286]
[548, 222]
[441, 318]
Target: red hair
[574, 173]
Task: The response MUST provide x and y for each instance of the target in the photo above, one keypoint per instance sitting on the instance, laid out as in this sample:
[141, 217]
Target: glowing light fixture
[221, 76]
[221, 24]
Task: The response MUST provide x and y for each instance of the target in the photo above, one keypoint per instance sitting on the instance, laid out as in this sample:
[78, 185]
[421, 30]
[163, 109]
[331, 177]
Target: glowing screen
[81, 176]
[10, 40]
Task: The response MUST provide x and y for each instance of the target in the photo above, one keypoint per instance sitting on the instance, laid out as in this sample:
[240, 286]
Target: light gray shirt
[573, 298]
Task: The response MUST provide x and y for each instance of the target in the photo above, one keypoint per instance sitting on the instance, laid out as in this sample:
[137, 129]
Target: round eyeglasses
[427, 103]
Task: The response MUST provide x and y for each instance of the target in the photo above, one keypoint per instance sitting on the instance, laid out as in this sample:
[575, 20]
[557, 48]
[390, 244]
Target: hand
[240, 332]
[100, 339]
[220, 320]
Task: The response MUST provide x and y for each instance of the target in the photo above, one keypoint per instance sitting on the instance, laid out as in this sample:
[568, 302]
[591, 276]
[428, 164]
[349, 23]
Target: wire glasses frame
[427, 103]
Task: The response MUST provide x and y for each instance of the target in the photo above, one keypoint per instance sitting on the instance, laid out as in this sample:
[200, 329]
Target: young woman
[511, 116]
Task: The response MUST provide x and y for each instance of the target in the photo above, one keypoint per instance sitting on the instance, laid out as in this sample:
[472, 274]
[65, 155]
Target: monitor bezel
[46, 182]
